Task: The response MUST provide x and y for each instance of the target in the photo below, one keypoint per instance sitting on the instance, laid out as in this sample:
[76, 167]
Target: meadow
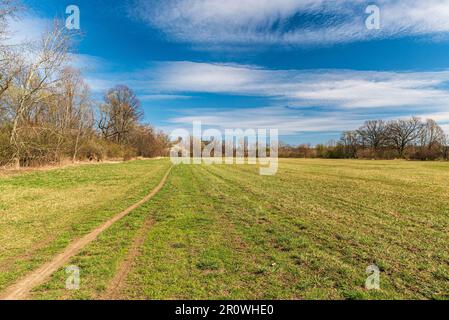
[225, 232]
[43, 211]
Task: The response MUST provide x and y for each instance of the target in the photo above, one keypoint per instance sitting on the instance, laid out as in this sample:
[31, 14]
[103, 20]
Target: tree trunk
[13, 142]
[76, 148]
[16, 163]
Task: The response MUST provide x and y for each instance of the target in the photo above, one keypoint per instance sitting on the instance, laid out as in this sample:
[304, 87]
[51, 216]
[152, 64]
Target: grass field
[43, 211]
[225, 232]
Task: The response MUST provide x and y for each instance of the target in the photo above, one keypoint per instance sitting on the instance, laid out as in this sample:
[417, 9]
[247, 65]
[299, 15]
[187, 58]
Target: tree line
[48, 114]
[47, 111]
[413, 139]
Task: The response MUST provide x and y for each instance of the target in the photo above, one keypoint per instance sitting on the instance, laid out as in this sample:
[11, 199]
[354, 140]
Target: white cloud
[26, 29]
[156, 97]
[88, 63]
[442, 118]
[327, 100]
[99, 85]
[29, 29]
[288, 121]
[290, 22]
[333, 88]
[323, 100]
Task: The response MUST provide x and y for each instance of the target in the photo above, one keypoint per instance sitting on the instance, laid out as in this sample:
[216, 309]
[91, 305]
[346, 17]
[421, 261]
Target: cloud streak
[333, 88]
[287, 120]
[29, 28]
[296, 100]
[328, 100]
[291, 121]
[290, 22]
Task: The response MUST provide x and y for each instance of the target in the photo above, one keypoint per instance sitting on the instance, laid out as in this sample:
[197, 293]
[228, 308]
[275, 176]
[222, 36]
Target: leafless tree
[401, 133]
[46, 109]
[39, 72]
[350, 141]
[8, 54]
[119, 114]
[373, 134]
[431, 140]
[446, 148]
[148, 142]
[8, 9]
[74, 110]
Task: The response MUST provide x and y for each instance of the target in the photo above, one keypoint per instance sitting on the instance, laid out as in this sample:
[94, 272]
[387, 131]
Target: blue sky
[310, 68]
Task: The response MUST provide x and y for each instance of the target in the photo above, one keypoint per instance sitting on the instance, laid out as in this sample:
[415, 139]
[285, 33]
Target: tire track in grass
[115, 285]
[204, 260]
[21, 289]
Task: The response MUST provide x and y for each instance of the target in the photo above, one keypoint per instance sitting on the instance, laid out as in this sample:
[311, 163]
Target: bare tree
[373, 134]
[446, 148]
[74, 115]
[350, 141]
[119, 114]
[401, 133]
[8, 54]
[8, 9]
[148, 142]
[431, 140]
[46, 111]
[39, 71]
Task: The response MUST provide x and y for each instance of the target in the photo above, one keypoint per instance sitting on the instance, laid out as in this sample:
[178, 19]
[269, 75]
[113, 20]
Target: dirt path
[113, 290]
[22, 288]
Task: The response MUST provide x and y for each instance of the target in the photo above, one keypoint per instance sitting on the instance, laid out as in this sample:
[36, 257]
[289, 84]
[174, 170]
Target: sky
[310, 68]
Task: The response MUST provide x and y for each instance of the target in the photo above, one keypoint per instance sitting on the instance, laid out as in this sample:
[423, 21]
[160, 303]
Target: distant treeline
[412, 139]
[47, 113]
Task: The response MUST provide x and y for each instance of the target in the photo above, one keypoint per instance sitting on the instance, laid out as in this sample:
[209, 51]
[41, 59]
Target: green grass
[43, 211]
[310, 232]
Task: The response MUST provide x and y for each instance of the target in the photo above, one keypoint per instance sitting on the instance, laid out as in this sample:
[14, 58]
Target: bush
[97, 149]
[5, 149]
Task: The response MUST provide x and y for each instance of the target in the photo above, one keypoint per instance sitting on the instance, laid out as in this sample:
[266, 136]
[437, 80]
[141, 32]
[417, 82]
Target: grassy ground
[41, 212]
[309, 232]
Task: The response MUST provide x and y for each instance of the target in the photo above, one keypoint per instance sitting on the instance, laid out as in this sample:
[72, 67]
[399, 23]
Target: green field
[42, 212]
[225, 232]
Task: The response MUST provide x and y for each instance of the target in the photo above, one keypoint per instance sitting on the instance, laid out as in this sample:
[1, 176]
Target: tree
[8, 9]
[401, 133]
[445, 150]
[373, 134]
[431, 140]
[8, 56]
[46, 109]
[148, 142]
[119, 114]
[39, 73]
[350, 141]
[74, 110]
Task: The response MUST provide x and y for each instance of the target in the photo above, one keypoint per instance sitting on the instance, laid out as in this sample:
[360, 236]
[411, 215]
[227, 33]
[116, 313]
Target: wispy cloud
[89, 63]
[159, 97]
[30, 28]
[26, 29]
[292, 121]
[290, 22]
[295, 100]
[333, 88]
[287, 120]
